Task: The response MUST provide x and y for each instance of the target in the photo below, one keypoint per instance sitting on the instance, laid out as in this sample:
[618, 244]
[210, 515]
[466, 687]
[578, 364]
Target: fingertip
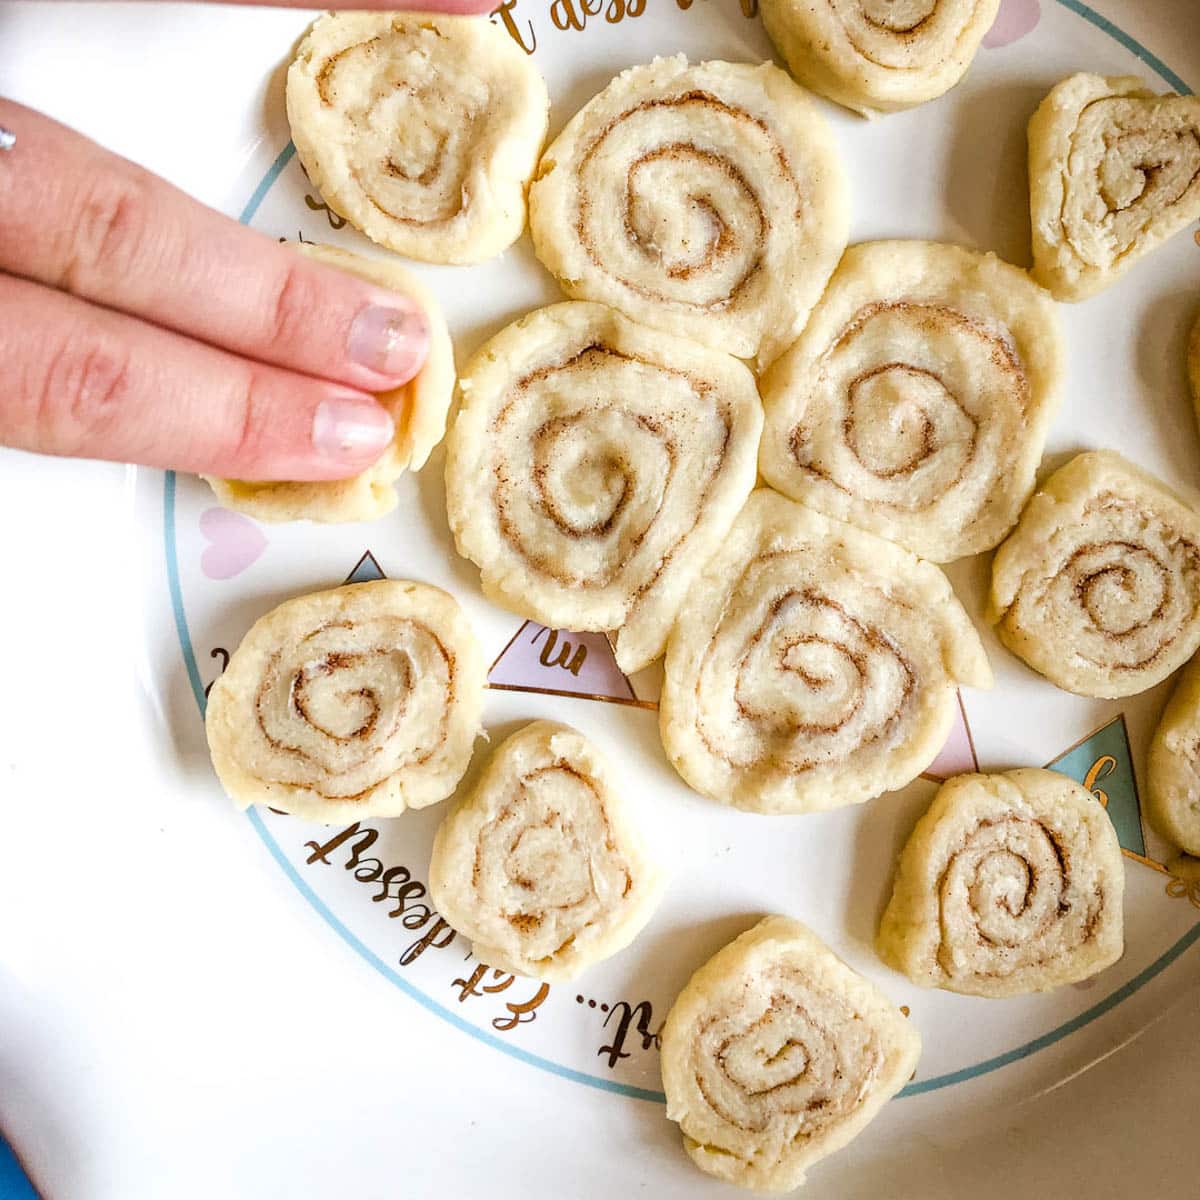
[349, 432]
[390, 339]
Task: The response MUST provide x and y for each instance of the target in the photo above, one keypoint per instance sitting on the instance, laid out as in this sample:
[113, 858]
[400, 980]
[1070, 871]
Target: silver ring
[8, 139]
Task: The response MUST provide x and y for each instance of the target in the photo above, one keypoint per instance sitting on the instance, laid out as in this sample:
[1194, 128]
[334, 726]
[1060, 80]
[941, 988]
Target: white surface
[174, 1020]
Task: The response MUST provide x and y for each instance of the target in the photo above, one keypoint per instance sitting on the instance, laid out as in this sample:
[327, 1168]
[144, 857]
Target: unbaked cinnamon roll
[1009, 884]
[776, 1054]
[1098, 587]
[1114, 170]
[916, 402]
[593, 466]
[1173, 765]
[878, 56]
[705, 200]
[418, 408]
[813, 665]
[540, 865]
[421, 129]
[357, 702]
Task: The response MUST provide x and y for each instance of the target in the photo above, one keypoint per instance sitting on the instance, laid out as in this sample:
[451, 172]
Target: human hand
[137, 325]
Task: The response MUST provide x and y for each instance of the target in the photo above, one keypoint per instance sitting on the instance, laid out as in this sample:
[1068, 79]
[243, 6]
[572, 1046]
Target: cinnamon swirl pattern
[705, 200]
[776, 1054]
[418, 409]
[1173, 765]
[916, 402]
[813, 665]
[420, 129]
[357, 702]
[540, 865]
[1114, 170]
[1098, 587]
[878, 56]
[1009, 884]
[593, 466]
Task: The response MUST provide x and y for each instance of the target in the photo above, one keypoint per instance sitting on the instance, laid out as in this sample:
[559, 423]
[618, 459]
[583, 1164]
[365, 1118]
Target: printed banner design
[1103, 764]
[957, 756]
[366, 570]
[557, 663]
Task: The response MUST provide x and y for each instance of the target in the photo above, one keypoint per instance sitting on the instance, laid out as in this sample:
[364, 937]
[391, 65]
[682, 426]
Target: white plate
[952, 170]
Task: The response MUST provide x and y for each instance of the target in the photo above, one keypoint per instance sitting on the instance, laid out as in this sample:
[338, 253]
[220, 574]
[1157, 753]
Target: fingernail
[351, 430]
[390, 339]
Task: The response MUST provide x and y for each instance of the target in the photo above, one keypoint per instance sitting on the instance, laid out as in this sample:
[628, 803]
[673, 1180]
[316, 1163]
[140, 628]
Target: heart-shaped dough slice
[1098, 587]
[421, 129]
[813, 664]
[878, 56]
[776, 1054]
[1114, 170]
[1009, 884]
[541, 864]
[418, 407]
[362, 701]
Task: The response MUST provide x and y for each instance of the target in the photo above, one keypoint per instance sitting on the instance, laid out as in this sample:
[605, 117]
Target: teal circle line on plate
[916, 1088]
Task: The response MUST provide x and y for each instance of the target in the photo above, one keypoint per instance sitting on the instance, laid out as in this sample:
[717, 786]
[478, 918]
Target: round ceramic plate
[951, 170]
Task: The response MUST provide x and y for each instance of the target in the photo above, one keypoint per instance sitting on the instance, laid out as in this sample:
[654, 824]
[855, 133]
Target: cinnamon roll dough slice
[705, 200]
[418, 408]
[1009, 884]
[878, 56]
[916, 402]
[421, 129]
[357, 702]
[776, 1054]
[1114, 170]
[813, 665]
[593, 465]
[541, 864]
[1173, 765]
[1098, 587]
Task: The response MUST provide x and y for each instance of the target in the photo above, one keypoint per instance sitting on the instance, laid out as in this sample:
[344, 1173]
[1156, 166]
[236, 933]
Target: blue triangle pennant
[1103, 764]
[366, 570]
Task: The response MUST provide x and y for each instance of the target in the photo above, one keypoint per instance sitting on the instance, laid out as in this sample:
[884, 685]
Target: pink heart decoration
[236, 543]
[1015, 19]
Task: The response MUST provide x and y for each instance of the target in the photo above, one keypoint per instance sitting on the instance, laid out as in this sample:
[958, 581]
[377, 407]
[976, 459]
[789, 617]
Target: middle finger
[85, 221]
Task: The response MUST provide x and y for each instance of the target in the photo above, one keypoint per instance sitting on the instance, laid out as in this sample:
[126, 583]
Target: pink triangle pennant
[957, 756]
[558, 663]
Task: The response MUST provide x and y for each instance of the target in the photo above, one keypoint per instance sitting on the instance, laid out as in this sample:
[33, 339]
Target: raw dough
[1098, 587]
[1173, 766]
[357, 702]
[776, 1054]
[705, 200]
[878, 56]
[1114, 170]
[419, 409]
[813, 665]
[593, 465]
[540, 865]
[916, 402]
[421, 129]
[1009, 884]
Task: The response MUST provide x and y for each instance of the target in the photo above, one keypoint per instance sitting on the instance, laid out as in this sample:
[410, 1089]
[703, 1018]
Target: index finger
[102, 228]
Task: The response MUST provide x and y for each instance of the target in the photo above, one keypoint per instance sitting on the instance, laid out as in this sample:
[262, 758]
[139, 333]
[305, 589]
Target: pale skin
[137, 325]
